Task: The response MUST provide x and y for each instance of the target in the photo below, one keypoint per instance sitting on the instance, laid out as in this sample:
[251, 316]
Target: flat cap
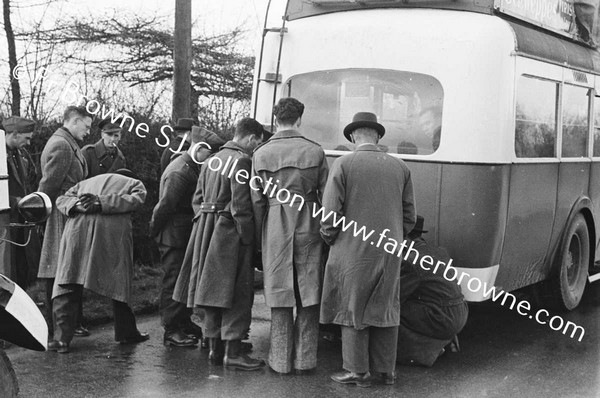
[18, 124]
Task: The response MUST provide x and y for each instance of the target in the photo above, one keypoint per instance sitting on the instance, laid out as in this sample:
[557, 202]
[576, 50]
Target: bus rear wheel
[574, 256]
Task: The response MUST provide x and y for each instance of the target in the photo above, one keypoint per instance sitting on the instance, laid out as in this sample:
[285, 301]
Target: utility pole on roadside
[182, 60]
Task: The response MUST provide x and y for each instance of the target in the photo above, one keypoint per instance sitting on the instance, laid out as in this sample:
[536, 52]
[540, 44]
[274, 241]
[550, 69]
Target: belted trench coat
[362, 279]
[222, 239]
[289, 234]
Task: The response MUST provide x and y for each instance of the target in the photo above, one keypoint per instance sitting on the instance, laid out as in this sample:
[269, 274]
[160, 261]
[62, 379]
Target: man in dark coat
[432, 309]
[361, 289]
[218, 262]
[96, 253]
[289, 173]
[184, 129]
[171, 226]
[23, 261]
[105, 156]
[63, 166]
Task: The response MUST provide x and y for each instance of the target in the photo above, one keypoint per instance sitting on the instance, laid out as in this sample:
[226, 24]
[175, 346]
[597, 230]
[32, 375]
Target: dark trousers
[64, 311]
[49, 284]
[226, 323]
[371, 349]
[173, 314]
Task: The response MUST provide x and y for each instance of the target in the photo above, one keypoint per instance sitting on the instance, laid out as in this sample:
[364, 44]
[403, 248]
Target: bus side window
[535, 127]
[575, 121]
[597, 126]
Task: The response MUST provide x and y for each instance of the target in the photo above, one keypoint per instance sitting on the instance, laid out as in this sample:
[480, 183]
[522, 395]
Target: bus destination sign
[555, 15]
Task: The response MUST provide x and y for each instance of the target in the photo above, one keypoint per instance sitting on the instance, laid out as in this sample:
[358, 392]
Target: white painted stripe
[485, 275]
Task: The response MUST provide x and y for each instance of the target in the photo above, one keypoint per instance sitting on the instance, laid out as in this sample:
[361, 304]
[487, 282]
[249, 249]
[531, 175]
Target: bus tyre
[574, 256]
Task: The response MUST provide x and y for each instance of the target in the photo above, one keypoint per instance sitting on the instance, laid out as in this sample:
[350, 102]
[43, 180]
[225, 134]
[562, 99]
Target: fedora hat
[363, 119]
[184, 124]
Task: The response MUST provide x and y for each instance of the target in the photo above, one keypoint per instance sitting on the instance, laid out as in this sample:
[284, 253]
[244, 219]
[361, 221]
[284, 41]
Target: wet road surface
[503, 355]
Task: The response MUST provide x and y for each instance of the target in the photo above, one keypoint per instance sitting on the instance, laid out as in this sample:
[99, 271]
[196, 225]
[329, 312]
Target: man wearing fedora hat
[432, 309]
[361, 289]
[19, 263]
[105, 156]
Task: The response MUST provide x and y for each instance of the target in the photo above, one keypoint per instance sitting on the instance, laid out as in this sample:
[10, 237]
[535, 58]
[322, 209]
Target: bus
[493, 104]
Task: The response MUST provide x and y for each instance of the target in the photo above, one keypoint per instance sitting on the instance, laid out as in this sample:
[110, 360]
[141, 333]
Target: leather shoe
[361, 380]
[192, 330]
[179, 339]
[386, 378]
[81, 332]
[59, 346]
[245, 347]
[138, 338]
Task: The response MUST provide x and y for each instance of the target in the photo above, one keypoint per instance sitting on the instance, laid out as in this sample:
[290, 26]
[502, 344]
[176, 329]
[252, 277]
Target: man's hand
[89, 202]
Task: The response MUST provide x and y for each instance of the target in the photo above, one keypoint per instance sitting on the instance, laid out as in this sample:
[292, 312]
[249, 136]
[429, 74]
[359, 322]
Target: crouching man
[432, 309]
[96, 253]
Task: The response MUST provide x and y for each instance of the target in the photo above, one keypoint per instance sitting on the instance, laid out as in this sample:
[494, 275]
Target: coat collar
[101, 149]
[235, 146]
[66, 134]
[286, 134]
[368, 147]
[12, 156]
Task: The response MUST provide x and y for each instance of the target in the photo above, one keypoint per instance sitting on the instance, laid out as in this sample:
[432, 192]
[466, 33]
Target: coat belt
[309, 197]
[209, 207]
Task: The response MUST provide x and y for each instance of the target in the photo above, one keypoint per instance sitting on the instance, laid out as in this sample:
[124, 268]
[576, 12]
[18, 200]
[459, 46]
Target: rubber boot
[234, 359]
[215, 353]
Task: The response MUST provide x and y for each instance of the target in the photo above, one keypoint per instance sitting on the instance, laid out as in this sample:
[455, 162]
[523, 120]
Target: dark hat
[204, 135]
[18, 124]
[107, 126]
[363, 119]
[184, 124]
[127, 173]
[418, 229]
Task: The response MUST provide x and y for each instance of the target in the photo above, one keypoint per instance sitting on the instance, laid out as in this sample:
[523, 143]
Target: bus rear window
[408, 105]
[535, 127]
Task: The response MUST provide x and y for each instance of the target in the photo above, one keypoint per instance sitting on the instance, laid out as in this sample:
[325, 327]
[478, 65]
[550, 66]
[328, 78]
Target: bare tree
[12, 60]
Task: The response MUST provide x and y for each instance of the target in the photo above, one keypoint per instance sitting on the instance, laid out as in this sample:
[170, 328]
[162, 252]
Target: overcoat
[171, 222]
[289, 162]
[96, 249]
[100, 160]
[374, 190]
[222, 237]
[63, 166]
[19, 164]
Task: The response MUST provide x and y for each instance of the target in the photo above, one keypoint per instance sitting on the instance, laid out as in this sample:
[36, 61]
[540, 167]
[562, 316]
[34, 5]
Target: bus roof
[560, 17]
[546, 36]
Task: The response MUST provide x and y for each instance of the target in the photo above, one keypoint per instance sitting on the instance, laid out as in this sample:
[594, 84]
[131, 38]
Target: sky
[208, 16]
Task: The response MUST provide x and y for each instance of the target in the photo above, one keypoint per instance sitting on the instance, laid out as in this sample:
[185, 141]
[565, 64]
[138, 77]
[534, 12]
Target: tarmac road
[503, 355]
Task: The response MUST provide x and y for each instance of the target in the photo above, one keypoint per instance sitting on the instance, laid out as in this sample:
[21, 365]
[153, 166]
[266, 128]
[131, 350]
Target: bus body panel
[594, 192]
[531, 212]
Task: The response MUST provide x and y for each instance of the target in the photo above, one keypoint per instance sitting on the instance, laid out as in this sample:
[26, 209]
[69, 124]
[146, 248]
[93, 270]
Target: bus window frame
[589, 142]
[557, 120]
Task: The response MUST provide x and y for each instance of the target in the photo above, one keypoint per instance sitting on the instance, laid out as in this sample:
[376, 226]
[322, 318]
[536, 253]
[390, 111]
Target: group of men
[88, 236]
[219, 208]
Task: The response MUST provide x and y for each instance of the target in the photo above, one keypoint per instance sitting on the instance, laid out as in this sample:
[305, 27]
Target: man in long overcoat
[22, 263]
[63, 166]
[96, 252]
[361, 289]
[218, 262]
[171, 226]
[289, 175]
[432, 309]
